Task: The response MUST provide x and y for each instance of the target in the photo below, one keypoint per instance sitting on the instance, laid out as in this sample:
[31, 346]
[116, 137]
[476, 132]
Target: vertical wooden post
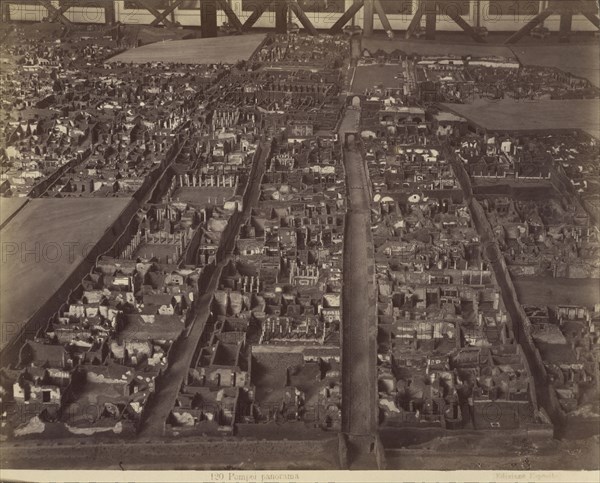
[208, 18]
[281, 10]
[368, 12]
[110, 16]
[5, 12]
[430, 19]
[566, 23]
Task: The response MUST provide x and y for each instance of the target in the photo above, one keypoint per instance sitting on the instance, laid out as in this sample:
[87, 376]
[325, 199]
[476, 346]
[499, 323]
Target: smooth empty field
[8, 207]
[149, 34]
[202, 197]
[512, 115]
[359, 328]
[41, 246]
[579, 60]
[167, 454]
[358, 335]
[227, 50]
[499, 451]
[553, 291]
[368, 76]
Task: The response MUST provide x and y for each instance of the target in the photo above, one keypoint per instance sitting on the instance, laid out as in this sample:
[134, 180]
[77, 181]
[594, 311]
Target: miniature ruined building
[271, 346]
[105, 348]
[445, 342]
[240, 208]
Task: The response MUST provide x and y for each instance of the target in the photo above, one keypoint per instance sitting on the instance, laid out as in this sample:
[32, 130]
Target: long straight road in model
[160, 406]
[359, 328]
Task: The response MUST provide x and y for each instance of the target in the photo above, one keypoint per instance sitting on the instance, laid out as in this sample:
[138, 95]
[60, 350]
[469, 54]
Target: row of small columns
[220, 181]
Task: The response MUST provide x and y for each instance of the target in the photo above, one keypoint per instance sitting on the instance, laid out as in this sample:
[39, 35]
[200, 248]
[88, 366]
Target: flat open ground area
[580, 60]
[359, 327]
[228, 50]
[511, 115]
[499, 451]
[8, 207]
[512, 182]
[202, 197]
[170, 454]
[41, 247]
[553, 291]
[149, 34]
[368, 76]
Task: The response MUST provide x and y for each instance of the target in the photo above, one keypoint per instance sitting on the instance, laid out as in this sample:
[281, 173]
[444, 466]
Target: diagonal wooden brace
[345, 18]
[166, 12]
[256, 14]
[592, 18]
[529, 26]
[53, 16]
[415, 22]
[55, 13]
[304, 20]
[458, 20]
[233, 18]
[165, 21]
[382, 16]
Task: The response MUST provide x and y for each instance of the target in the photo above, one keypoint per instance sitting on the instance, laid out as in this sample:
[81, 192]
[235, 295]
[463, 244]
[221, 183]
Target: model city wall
[112, 242]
